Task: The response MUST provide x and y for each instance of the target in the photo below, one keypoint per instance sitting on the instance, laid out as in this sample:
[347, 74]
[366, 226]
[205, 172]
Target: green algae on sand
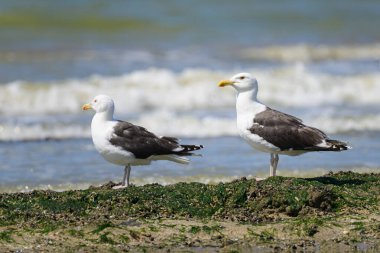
[275, 211]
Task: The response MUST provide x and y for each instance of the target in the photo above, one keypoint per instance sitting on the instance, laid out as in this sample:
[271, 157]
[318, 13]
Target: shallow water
[161, 62]
[74, 163]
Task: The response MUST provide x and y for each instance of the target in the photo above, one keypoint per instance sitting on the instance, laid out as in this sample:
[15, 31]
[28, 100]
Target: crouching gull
[126, 144]
[271, 131]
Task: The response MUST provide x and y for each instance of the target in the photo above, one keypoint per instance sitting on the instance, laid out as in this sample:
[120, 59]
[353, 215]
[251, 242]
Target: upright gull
[126, 144]
[271, 131]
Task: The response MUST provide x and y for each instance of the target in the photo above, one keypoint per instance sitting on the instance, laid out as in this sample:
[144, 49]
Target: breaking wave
[181, 125]
[188, 103]
[139, 91]
[307, 53]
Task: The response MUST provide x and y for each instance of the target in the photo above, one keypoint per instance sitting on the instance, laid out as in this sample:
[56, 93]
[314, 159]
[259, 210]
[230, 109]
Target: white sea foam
[305, 53]
[136, 91]
[292, 85]
[180, 125]
[166, 102]
[21, 132]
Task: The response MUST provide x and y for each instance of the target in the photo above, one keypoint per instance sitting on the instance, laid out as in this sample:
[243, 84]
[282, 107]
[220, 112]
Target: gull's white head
[241, 82]
[100, 103]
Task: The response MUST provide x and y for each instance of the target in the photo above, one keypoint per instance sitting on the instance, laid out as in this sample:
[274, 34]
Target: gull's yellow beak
[225, 83]
[86, 107]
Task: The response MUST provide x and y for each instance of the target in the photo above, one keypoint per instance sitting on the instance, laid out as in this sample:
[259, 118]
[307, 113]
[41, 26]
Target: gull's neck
[102, 117]
[246, 101]
[100, 129]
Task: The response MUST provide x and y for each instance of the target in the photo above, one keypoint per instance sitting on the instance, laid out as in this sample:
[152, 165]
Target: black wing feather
[286, 131]
[142, 143]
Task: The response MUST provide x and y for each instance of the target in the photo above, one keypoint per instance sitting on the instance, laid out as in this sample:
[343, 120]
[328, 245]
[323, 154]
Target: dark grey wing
[286, 131]
[142, 143]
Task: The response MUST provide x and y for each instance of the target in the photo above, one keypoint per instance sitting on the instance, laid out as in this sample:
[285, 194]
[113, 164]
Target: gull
[123, 143]
[272, 131]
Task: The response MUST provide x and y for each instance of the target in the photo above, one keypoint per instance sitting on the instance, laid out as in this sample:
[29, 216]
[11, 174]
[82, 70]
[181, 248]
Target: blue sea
[161, 62]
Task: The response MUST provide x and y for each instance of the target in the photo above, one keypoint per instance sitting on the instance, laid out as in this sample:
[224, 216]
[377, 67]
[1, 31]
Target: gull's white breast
[102, 132]
[244, 123]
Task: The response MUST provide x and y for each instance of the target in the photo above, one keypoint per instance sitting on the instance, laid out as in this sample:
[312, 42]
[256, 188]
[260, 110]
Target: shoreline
[338, 211]
[167, 180]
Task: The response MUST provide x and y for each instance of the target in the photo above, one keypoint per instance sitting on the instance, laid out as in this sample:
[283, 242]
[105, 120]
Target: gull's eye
[241, 77]
[95, 100]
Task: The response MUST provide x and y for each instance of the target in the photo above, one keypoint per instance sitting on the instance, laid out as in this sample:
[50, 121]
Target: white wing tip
[173, 158]
[180, 159]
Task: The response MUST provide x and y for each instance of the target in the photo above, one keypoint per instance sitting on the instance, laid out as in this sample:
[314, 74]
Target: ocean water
[161, 62]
